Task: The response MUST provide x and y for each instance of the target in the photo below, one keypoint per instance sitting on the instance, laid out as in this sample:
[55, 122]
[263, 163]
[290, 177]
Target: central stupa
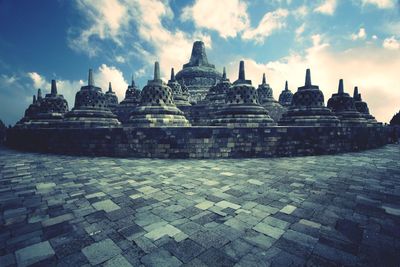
[198, 75]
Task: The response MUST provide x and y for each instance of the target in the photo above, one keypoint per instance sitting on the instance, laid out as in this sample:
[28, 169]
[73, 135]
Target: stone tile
[160, 257]
[226, 204]
[117, 261]
[185, 251]
[205, 205]
[268, 230]
[34, 253]
[161, 231]
[101, 251]
[106, 205]
[288, 209]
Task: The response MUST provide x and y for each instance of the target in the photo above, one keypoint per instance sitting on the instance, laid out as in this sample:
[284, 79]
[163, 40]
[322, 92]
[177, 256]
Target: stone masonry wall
[200, 142]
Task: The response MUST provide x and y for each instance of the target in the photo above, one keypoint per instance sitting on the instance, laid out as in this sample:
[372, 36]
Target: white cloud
[105, 74]
[107, 20]
[38, 81]
[377, 79]
[361, 35]
[391, 43]
[227, 17]
[300, 30]
[328, 7]
[271, 22]
[300, 12]
[383, 4]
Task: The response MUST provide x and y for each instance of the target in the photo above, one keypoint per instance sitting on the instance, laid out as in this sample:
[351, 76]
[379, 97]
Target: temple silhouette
[199, 112]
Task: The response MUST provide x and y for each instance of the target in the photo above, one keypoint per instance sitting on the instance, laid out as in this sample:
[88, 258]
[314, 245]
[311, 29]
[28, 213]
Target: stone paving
[335, 210]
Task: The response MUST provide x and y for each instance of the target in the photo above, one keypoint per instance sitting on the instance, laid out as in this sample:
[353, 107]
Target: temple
[286, 96]
[131, 100]
[362, 107]
[199, 113]
[91, 108]
[308, 108]
[157, 107]
[342, 104]
[242, 108]
[198, 74]
[266, 99]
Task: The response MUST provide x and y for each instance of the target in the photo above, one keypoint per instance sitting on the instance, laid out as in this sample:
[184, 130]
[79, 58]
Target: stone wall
[200, 142]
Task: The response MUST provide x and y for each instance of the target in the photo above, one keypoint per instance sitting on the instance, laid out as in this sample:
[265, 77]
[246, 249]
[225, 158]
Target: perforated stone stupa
[112, 99]
[198, 74]
[362, 107]
[180, 99]
[131, 100]
[286, 96]
[157, 107]
[266, 99]
[308, 108]
[242, 108]
[32, 110]
[91, 108]
[342, 104]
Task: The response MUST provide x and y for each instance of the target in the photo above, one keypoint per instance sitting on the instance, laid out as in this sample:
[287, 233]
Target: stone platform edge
[201, 142]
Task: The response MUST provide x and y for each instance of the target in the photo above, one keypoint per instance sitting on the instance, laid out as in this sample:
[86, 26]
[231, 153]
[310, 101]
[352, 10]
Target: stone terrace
[315, 211]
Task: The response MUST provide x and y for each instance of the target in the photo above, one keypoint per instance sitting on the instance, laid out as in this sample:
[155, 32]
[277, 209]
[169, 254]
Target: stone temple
[198, 74]
[199, 113]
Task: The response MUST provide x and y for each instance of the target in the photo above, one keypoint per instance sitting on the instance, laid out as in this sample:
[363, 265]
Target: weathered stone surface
[342, 104]
[132, 100]
[242, 108]
[286, 96]
[111, 97]
[327, 211]
[198, 75]
[157, 107]
[266, 99]
[308, 107]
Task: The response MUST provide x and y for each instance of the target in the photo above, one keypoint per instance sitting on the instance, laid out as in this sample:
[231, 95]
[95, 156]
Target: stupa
[131, 100]
[157, 107]
[242, 108]
[32, 110]
[342, 104]
[112, 99]
[286, 96]
[198, 74]
[266, 99]
[180, 100]
[307, 108]
[91, 108]
[362, 107]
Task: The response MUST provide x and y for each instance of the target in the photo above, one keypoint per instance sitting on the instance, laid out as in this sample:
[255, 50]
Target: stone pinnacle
[308, 78]
[39, 94]
[224, 74]
[34, 99]
[156, 71]
[109, 87]
[53, 87]
[90, 78]
[340, 89]
[242, 75]
[132, 82]
[264, 80]
[286, 86]
[172, 75]
[355, 94]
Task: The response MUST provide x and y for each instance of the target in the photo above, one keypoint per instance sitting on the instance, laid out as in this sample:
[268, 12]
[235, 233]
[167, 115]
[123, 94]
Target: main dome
[198, 75]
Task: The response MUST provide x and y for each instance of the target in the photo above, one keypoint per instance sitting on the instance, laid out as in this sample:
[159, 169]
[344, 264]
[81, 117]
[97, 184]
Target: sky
[356, 40]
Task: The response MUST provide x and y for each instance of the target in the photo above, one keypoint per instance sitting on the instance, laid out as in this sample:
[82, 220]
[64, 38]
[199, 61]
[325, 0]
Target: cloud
[391, 43]
[227, 17]
[328, 7]
[377, 79]
[361, 35]
[300, 30]
[271, 22]
[106, 19]
[383, 4]
[38, 81]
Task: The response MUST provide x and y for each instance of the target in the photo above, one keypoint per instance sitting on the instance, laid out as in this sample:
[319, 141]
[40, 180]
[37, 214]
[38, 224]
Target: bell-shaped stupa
[198, 74]
[342, 104]
[308, 108]
[286, 96]
[112, 99]
[180, 99]
[266, 99]
[362, 107]
[91, 108]
[157, 107]
[32, 110]
[131, 100]
[242, 108]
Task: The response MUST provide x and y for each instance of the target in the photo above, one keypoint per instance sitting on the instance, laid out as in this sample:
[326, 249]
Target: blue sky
[357, 40]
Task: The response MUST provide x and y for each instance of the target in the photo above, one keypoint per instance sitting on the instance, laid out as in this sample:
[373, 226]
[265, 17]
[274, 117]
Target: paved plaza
[329, 210]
